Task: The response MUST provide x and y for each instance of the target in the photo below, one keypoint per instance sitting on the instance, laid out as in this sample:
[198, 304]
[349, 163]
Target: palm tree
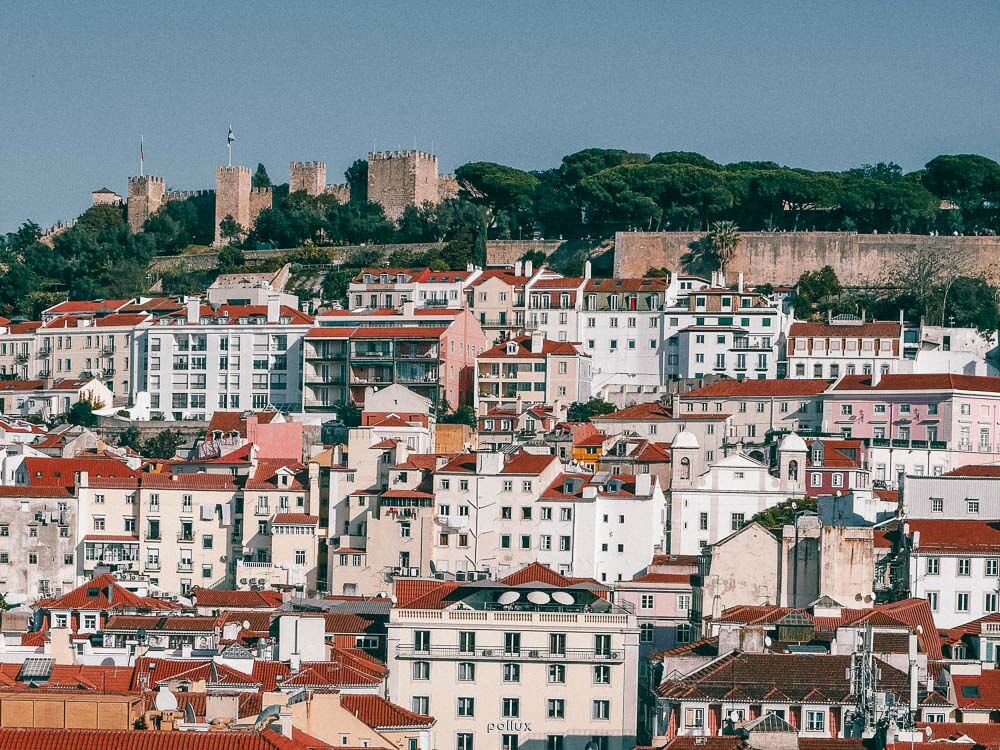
[723, 239]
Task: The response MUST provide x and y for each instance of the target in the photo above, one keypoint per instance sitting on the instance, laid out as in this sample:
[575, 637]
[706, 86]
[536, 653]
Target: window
[512, 643]
[564, 544]
[602, 674]
[422, 642]
[421, 670]
[992, 567]
[565, 514]
[703, 521]
[467, 642]
[694, 718]
[463, 741]
[466, 671]
[937, 505]
[932, 600]
[506, 512]
[510, 708]
[511, 672]
[738, 521]
[555, 742]
[965, 566]
[990, 603]
[557, 674]
[972, 506]
[962, 601]
[933, 566]
[815, 721]
[420, 704]
[508, 742]
[466, 707]
[505, 541]
[646, 633]
[556, 708]
[646, 601]
[601, 710]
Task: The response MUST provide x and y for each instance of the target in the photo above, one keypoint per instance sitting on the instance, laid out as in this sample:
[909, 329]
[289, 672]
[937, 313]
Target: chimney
[82, 480]
[408, 307]
[528, 267]
[489, 463]
[285, 722]
[273, 308]
[739, 282]
[675, 404]
[518, 267]
[587, 270]
[876, 374]
[914, 685]
[643, 484]
[193, 305]
[537, 341]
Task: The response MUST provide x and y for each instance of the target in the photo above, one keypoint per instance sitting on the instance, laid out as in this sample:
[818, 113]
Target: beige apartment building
[77, 346]
[17, 349]
[497, 299]
[534, 660]
[532, 370]
[174, 528]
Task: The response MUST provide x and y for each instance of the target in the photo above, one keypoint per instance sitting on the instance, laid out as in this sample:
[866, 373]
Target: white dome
[792, 442]
[684, 439]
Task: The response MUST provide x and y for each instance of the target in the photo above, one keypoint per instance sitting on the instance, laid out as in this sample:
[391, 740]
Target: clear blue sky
[820, 85]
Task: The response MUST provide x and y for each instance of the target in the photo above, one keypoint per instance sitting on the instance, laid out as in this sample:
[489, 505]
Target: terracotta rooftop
[865, 330]
[920, 382]
[758, 389]
[944, 535]
[382, 715]
[524, 350]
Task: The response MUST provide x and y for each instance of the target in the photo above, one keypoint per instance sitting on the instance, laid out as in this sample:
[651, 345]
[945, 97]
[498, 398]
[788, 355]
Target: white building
[534, 660]
[709, 505]
[845, 345]
[225, 357]
[377, 288]
[969, 493]
[955, 565]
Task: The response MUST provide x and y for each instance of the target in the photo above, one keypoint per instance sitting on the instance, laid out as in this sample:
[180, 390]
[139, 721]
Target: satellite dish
[508, 597]
[561, 597]
[539, 597]
[768, 641]
[734, 716]
[165, 700]
[246, 624]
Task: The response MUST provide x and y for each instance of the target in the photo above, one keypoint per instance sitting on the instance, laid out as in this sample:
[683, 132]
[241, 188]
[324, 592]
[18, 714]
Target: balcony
[417, 353]
[185, 537]
[496, 323]
[152, 566]
[44, 372]
[109, 372]
[44, 351]
[109, 351]
[573, 655]
[365, 378]
[366, 353]
[21, 359]
[185, 566]
[435, 302]
[154, 537]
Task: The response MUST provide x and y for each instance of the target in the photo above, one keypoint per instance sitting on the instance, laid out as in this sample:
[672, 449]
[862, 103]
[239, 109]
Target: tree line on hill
[592, 193]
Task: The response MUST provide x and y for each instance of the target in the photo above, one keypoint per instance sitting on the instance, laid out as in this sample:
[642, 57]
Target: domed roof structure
[792, 442]
[684, 439]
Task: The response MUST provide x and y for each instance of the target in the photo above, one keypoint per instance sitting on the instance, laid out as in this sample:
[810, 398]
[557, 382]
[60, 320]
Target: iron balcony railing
[499, 653]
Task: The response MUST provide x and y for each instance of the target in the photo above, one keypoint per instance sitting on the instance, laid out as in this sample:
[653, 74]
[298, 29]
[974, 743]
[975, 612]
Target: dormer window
[511, 347]
[369, 278]
[400, 278]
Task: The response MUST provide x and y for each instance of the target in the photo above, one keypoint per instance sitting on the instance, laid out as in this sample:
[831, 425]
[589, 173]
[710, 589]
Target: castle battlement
[260, 191]
[407, 154]
[145, 179]
[306, 164]
[183, 195]
[238, 169]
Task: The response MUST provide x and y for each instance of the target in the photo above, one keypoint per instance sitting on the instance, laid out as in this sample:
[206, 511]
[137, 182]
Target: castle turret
[397, 179]
[232, 198]
[145, 196]
[308, 176]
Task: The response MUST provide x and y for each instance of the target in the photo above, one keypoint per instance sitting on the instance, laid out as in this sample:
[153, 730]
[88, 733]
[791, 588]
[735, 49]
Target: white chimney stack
[273, 308]
[193, 305]
[528, 267]
[587, 270]
[518, 266]
[739, 282]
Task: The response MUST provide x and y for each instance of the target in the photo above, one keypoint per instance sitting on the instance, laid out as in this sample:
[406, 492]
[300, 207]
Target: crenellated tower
[232, 198]
[145, 196]
[397, 179]
[308, 176]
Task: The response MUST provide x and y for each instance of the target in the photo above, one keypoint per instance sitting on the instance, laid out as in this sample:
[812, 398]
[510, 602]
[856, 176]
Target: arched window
[685, 468]
[793, 471]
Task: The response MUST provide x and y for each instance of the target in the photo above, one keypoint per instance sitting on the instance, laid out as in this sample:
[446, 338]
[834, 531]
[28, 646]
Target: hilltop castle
[396, 179]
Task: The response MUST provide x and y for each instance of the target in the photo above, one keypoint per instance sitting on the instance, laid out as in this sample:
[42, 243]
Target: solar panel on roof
[35, 668]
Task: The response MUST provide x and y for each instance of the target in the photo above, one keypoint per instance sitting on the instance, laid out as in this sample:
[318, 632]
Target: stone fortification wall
[183, 195]
[260, 198]
[145, 196]
[232, 197]
[397, 179]
[309, 176]
[782, 257]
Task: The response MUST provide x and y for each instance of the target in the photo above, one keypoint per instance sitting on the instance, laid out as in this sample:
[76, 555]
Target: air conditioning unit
[243, 582]
[487, 652]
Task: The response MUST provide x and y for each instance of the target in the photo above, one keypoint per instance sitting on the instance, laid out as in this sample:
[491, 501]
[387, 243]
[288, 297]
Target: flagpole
[142, 157]
[229, 144]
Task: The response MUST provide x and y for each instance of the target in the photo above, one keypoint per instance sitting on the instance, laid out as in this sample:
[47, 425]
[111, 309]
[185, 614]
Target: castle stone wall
[260, 198]
[309, 176]
[232, 197]
[145, 196]
[397, 179]
[183, 195]
[341, 192]
[782, 257]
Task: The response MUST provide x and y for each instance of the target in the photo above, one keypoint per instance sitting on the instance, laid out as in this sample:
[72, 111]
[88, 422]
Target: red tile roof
[985, 734]
[61, 472]
[233, 313]
[382, 715]
[987, 685]
[266, 475]
[233, 421]
[348, 622]
[628, 285]
[87, 306]
[943, 535]
[652, 412]
[921, 382]
[128, 739]
[676, 560]
[36, 491]
[27, 326]
[524, 351]
[667, 578]
[567, 282]
[410, 589]
[399, 332]
[77, 676]
[866, 330]
[59, 384]
[758, 389]
[983, 471]
[104, 593]
[297, 519]
[231, 599]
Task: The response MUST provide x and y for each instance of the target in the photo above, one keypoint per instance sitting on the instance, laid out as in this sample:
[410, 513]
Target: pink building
[836, 466]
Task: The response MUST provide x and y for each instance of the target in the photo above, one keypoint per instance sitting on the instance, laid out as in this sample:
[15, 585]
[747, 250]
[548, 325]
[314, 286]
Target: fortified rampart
[397, 179]
[145, 196]
[183, 195]
[307, 176]
[782, 257]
